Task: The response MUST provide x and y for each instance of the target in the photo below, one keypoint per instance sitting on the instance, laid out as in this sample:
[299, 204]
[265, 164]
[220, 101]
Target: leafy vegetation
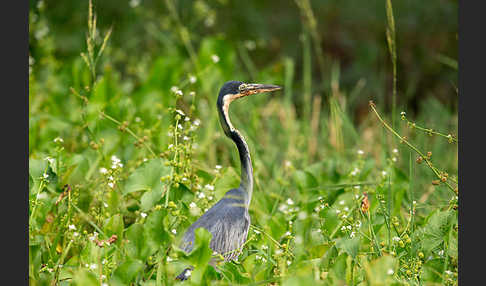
[126, 150]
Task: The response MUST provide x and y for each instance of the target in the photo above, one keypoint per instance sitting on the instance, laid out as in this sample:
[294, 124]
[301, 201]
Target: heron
[228, 220]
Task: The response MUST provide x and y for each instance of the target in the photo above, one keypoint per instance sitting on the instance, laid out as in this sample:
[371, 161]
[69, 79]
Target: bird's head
[232, 90]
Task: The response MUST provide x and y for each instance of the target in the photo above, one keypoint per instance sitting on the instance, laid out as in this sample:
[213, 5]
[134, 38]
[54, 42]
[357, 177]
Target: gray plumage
[228, 220]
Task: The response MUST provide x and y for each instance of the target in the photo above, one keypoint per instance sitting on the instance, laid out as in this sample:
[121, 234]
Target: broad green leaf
[83, 277]
[114, 225]
[436, 229]
[380, 272]
[348, 245]
[147, 177]
[200, 254]
[127, 272]
[155, 230]
[136, 246]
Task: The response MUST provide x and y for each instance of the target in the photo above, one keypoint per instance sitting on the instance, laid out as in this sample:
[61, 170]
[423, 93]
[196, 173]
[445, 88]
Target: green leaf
[305, 179]
[200, 254]
[114, 225]
[436, 229]
[137, 247]
[381, 271]
[155, 230]
[126, 272]
[146, 177]
[348, 245]
[84, 277]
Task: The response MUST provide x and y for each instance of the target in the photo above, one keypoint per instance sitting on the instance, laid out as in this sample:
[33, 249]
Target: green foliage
[126, 149]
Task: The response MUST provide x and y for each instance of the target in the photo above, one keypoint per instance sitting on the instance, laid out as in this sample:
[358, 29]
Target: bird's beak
[253, 88]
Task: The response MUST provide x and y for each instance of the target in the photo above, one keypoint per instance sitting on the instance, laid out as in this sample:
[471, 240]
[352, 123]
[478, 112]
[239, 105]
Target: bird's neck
[246, 167]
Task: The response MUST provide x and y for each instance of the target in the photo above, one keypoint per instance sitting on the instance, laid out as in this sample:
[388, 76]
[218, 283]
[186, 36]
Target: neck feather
[246, 183]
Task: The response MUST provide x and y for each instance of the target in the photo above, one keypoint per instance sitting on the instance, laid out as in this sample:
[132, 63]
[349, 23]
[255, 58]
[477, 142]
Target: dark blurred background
[352, 35]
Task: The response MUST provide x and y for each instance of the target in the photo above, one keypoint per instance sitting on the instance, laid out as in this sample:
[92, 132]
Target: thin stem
[402, 139]
[128, 130]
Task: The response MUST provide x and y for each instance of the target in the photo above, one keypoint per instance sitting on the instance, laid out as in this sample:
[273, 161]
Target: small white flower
[174, 231]
[138, 119]
[394, 159]
[192, 205]
[395, 150]
[343, 228]
[396, 238]
[179, 126]
[111, 185]
[348, 227]
[344, 216]
[355, 172]
[264, 247]
[414, 202]
[390, 271]
[143, 215]
[93, 266]
[383, 173]
[192, 79]
[201, 195]
[72, 227]
[170, 146]
[341, 202]
[174, 88]
[169, 259]
[352, 234]
[250, 45]
[403, 113]
[185, 138]
[180, 112]
[357, 187]
[215, 58]
[134, 3]
[256, 231]
[218, 167]
[287, 233]
[58, 139]
[441, 252]
[197, 122]
[209, 187]
[75, 234]
[110, 178]
[104, 261]
[360, 152]
[302, 215]
[346, 209]
[210, 198]
[288, 262]
[319, 230]
[50, 160]
[290, 201]
[338, 211]
[448, 272]
[45, 175]
[358, 224]
[103, 170]
[278, 251]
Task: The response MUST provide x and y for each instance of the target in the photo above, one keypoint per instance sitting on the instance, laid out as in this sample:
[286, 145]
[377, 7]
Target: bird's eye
[242, 87]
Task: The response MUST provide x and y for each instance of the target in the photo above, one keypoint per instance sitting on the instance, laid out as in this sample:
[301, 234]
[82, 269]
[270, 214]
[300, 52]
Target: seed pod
[419, 159]
[435, 182]
[365, 203]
